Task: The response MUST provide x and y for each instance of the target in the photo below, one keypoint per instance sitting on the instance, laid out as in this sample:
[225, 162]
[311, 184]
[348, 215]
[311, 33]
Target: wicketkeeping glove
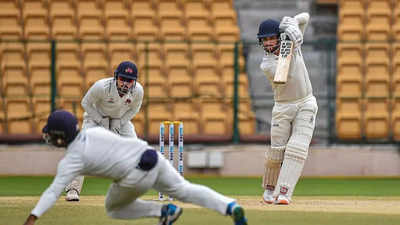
[105, 122]
[115, 125]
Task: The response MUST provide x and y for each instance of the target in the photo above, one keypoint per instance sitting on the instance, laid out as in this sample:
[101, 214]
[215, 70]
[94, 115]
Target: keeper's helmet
[268, 28]
[61, 128]
[126, 72]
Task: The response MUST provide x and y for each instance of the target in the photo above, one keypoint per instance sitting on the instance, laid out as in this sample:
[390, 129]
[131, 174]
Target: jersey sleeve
[136, 104]
[94, 94]
[68, 168]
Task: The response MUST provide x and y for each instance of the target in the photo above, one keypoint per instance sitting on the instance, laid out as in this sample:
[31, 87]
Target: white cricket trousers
[122, 200]
[127, 130]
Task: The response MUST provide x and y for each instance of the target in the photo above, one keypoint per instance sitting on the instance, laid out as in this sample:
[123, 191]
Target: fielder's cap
[127, 69]
[63, 123]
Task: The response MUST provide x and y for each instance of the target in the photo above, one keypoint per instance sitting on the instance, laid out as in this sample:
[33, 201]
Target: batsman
[294, 111]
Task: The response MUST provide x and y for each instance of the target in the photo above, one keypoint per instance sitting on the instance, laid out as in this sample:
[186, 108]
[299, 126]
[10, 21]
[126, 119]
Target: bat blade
[285, 57]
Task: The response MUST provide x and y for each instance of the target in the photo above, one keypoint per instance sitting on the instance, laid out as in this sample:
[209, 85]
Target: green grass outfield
[327, 201]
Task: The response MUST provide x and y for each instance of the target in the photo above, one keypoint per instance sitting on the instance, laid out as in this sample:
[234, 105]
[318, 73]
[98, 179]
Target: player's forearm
[128, 115]
[89, 109]
[47, 200]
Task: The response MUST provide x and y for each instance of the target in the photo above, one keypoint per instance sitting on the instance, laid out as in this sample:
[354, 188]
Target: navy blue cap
[62, 123]
[127, 69]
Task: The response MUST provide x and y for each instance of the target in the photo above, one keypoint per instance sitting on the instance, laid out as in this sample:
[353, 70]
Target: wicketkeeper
[134, 167]
[111, 103]
[294, 112]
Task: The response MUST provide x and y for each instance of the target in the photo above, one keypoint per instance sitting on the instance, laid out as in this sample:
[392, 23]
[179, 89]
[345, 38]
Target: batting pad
[295, 156]
[272, 167]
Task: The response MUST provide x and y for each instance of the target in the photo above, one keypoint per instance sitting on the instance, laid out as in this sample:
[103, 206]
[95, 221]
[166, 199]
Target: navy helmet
[268, 28]
[128, 72]
[61, 128]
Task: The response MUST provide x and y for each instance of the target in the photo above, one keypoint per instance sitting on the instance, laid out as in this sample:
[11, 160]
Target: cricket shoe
[72, 195]
[282, 200]
[169, 214]
[237, 213]
[268, 196]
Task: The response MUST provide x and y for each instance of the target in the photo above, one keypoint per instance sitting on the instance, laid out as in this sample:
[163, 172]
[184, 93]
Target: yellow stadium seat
[348, 118]
[41, 110]
[120, 51]
[172, 27]
[187, 111]
[144, 8]
[139, 123]
[95, 62]
[63, 21]
[396, 22]
[15, 81]
[117, 19]
[2, 115]
[35, 16]
[349, 70]
[222, 9]
[395, 83]
[10, 20]
[91, 19]
[158, 111]
[242, 85]
[180, 81]
[204, 54]
[246, 116]
[379, 15]
[377, 78]
[224, 17]
[395, 122]
[167, 8]
[150, 53]
[145, 28]
[157, 81]
[200, 28]
[196, 8]
[72, 105]
[351, 20]
[208, 84]
[14, 76]
[39, 63]
[70, 82]
[214, 119]
[376, 118]
[176, 54]
[19, 115]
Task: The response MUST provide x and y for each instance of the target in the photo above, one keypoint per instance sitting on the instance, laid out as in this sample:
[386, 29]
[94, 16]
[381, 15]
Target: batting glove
[291, 27]
[115, 125]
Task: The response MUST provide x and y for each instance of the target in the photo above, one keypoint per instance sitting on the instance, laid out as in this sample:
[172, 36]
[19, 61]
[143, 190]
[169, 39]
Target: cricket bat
[285, 56]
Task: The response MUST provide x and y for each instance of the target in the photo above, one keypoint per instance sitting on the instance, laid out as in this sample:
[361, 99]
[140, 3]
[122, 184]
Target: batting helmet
[268, 28]
[61, 128]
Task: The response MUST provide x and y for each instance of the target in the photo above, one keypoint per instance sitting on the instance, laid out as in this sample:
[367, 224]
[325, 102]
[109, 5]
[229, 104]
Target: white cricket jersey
[102, 99]
[298, 85]
[97, 152]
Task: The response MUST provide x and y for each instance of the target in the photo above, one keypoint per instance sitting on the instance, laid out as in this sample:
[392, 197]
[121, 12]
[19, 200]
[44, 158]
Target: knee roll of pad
[297, 150]
[148, 160]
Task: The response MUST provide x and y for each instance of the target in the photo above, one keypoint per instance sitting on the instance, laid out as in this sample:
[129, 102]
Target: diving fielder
[294, 111]
[134, 168]
[111, 103]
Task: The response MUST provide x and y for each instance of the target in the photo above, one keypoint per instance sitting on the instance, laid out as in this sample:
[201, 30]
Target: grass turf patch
[249, 186]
